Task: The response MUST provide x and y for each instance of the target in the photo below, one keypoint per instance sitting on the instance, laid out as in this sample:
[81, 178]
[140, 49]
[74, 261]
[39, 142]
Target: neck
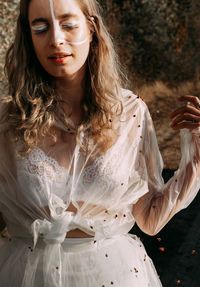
[71, 89]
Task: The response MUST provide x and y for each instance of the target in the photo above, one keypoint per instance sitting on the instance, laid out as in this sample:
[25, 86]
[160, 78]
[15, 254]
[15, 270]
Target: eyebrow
[63, 16]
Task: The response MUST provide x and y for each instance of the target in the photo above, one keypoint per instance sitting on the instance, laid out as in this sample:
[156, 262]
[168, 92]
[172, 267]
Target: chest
[83, 180]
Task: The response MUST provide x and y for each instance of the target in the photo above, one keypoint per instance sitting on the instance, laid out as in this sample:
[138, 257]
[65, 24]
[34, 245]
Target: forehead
[42, 8]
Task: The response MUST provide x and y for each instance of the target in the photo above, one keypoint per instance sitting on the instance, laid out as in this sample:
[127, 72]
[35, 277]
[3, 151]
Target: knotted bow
[53, 234]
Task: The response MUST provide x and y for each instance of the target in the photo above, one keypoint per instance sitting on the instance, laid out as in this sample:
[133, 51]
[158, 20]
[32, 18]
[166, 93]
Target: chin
[65, 75]
[60, 72]
[66, 72]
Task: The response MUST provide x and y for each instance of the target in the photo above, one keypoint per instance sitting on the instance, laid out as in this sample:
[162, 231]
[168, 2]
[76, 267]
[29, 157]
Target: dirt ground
[161, 101]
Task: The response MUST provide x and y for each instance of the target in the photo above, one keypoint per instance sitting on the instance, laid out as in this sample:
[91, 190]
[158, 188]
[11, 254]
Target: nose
[57, 36]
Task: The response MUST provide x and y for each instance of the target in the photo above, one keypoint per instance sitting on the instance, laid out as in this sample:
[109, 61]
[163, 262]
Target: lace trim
[103, 174]
[95, 171]
[38, 163]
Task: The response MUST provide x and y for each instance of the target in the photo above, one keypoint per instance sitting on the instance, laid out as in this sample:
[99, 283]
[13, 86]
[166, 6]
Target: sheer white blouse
[110, 191]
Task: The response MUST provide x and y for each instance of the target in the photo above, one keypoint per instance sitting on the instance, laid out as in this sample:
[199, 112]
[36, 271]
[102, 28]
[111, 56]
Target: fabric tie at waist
[53, 234]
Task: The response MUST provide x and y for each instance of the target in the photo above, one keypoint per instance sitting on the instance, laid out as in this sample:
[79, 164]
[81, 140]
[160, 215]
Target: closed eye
[39, 28]
[44, 27]
[70, 25]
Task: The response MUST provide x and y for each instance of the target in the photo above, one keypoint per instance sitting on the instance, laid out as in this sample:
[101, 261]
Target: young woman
[79, 159]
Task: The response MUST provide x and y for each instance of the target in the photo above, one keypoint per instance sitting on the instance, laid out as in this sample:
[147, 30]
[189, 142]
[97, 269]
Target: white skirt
[120, 261]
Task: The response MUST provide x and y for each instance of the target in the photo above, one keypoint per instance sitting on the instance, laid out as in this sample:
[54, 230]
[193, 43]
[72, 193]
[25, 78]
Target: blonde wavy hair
[33, 105]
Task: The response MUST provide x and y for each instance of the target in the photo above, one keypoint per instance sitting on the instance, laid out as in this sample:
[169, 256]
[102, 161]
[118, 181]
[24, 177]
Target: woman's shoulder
[132, 103]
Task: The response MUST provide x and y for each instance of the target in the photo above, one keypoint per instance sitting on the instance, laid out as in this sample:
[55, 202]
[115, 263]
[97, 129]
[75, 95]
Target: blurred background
[158, 43]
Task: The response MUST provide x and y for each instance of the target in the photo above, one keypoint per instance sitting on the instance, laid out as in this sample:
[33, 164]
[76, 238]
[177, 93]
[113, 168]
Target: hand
[187, 116]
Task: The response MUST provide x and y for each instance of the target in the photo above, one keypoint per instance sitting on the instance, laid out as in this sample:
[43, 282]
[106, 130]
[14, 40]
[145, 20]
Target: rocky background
[158, 43]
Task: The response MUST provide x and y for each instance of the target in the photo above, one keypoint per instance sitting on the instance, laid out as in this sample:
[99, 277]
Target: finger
[186, 125]
[185, 109]
[185, 117]
[192, 99]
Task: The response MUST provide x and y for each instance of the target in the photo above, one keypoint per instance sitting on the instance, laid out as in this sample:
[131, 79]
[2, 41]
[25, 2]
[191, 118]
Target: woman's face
[61, 36]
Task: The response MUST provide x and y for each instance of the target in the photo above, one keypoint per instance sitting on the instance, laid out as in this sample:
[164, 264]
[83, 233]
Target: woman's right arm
[155, 208]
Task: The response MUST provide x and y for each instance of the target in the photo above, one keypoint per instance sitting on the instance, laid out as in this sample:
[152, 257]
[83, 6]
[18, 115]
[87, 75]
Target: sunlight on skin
[56, 28]
[188, 115]
[58, 34]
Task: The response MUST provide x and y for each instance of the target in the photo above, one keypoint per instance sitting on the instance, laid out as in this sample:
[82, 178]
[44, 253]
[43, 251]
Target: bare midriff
[76, 233]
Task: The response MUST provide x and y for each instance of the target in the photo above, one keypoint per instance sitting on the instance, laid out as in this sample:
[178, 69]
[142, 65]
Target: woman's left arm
[154, 209]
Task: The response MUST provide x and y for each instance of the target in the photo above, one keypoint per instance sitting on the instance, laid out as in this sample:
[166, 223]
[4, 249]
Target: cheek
[38, 46]
[82, 52]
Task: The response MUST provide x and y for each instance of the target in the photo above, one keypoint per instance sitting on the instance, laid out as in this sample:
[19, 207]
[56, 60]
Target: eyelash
[40, 31]
[70, 26]
[65, 26]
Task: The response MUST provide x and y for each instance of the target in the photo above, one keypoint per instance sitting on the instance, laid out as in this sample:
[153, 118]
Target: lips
[59, 55]
[59, 58]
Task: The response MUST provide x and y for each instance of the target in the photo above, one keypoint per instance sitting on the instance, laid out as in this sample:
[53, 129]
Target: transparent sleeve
[162, 201]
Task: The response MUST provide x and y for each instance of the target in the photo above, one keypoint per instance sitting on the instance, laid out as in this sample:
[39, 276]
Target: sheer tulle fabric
[36, 191]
